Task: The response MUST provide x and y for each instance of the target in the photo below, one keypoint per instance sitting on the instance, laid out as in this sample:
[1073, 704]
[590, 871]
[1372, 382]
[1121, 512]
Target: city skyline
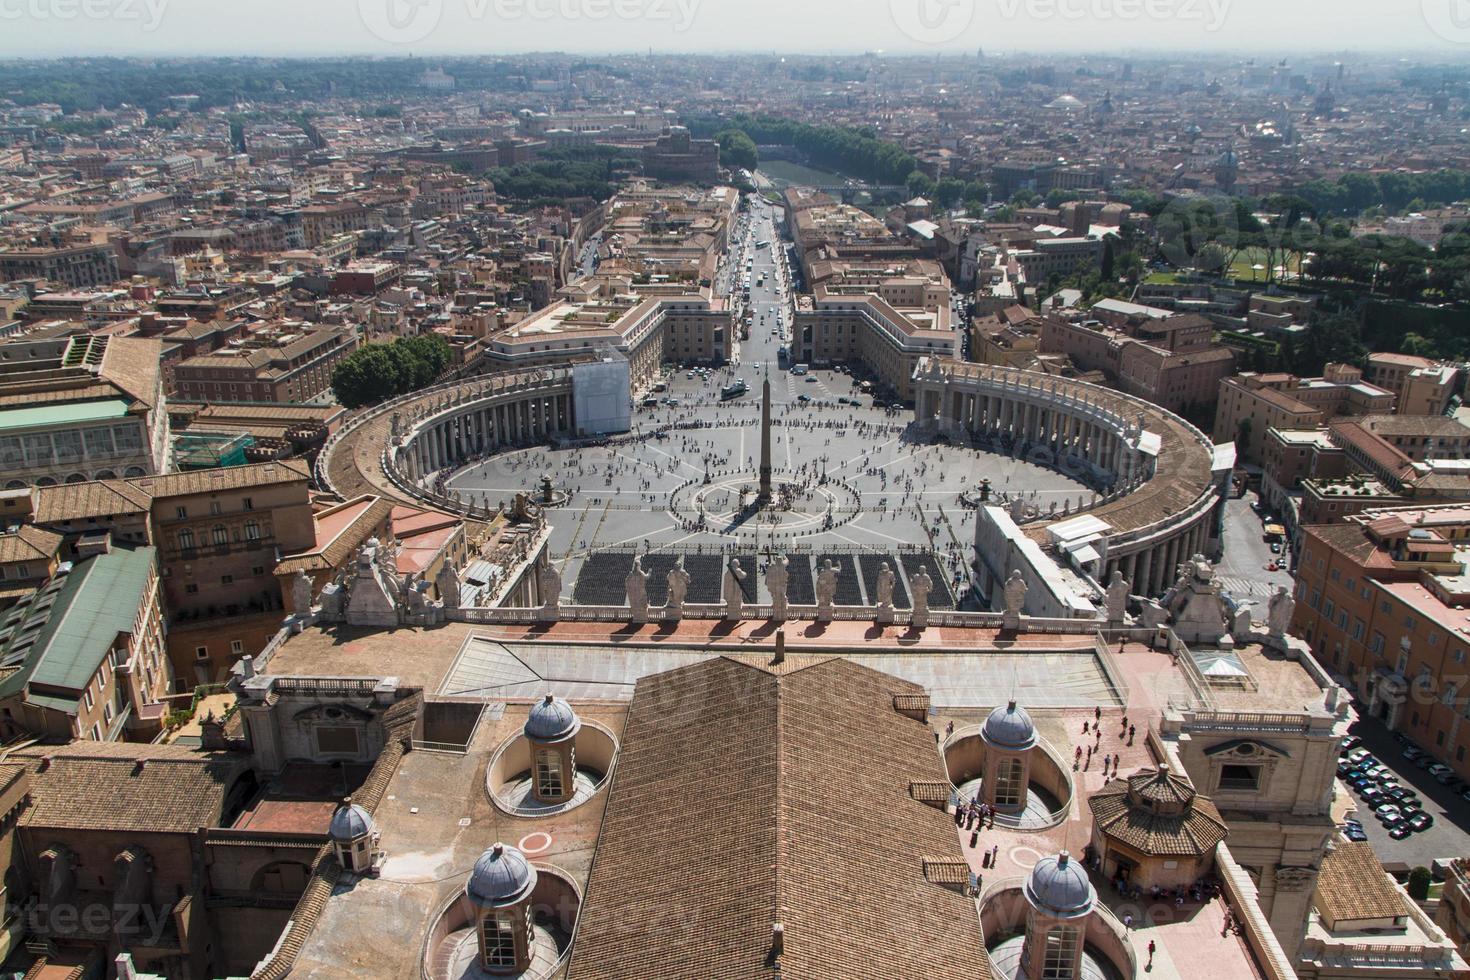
[444, 28]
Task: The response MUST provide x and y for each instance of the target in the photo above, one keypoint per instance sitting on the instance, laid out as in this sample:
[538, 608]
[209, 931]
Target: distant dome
[502, 876]
[1009, 727]
[551, 720]
[349, 822]
[1058, 887]
[1065, 102]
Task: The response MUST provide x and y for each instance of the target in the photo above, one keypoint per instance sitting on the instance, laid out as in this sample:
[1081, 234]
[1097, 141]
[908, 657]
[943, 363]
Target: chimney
[780, 657]
[138, 766]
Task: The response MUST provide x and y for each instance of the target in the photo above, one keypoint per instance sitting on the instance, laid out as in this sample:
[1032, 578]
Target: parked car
[1357, 754]
[1387, 812]
[1400, 830]
[1350, 742]
[1354, 834]
[1420, 821]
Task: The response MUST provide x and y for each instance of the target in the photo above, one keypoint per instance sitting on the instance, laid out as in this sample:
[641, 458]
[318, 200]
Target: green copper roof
[66, 414]
[66, 629]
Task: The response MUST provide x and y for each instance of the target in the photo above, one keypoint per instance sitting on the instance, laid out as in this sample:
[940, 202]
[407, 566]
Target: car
[803, 398]
[811, 379]
[1413, 752]
[1388, 785]
[1275, 547]
[1356, 754]
[1354, 834]
[1424, 761]
[1401, 794]
[1440, 769]
[1387, 812]
[1420, 821]
[1371, 795]
[1399, 831]
[1350, 822]
[1350, 742]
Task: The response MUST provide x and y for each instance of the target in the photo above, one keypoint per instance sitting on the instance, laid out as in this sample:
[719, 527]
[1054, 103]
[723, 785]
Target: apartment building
[78, 408]
[1381, 598]
[1173, 365]
[1422, 386]
[83, 654]
[285, 362]
[218, 534]
[77, 266]
[1251, 403]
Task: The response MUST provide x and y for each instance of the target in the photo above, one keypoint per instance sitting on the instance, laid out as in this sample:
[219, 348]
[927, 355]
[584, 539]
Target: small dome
[501, 877]
[551, 720]
[1010, 728]
[349, 822]
[1058, 887]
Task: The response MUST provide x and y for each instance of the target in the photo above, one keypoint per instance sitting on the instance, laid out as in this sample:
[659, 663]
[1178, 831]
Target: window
[1008, 786]
[226, 579]
[220, 535]
[336, 740]
[191, 588]
[181, 512]
[500, 940]
[186, 539]
[214, 507]
[237, 647]
[201, 653]
[247, 504]
[252, 531]
[548, 773]
[1059, 962]
[1240, 777]
[87, 696]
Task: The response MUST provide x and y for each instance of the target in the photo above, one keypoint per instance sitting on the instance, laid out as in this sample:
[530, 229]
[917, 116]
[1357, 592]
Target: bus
[733, 390]
[799, 369]
[762, 244]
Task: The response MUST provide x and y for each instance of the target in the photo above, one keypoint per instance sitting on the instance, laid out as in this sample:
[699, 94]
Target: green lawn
[784, 173]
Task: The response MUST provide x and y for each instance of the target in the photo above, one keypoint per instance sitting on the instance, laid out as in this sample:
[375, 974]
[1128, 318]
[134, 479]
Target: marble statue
[886, 578]
[374, 597]
[550, 582]
[447, 584]
[637, 586]
[920, 584]
[826, 591]
[734, 590]
[1117, 600]
[678, 584]
[301, 594]
[1015, 600]
[776, 583]
[1280, 611]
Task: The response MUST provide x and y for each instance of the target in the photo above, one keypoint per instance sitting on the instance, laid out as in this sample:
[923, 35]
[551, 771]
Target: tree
[737, 149]
[919, 184]
[378, 372]
[1419, 880]
[1107, 271]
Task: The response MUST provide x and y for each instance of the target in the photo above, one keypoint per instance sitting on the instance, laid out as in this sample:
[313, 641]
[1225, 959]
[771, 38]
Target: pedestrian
[1151, 947]
[994, 854]
[1097, 713]
[1128, 920]
[1130, 734]
[1084, 728]
[1107, 761]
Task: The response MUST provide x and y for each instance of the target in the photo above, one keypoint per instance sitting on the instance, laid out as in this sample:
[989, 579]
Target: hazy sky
[41, 28]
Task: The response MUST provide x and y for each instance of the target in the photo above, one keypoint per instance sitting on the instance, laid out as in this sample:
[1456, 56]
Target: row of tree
[855, 152]
[377, 372]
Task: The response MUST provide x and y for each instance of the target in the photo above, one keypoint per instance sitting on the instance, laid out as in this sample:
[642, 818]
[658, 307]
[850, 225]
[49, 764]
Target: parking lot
[1450, 835]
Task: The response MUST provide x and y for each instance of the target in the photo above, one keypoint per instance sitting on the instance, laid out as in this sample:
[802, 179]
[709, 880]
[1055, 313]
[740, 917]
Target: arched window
[186, 539]
[548, 773]
[221, 536]
[252, 531]
[1060, 959]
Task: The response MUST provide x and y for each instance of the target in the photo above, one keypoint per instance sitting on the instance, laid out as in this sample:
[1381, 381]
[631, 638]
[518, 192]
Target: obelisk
[765, 494]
